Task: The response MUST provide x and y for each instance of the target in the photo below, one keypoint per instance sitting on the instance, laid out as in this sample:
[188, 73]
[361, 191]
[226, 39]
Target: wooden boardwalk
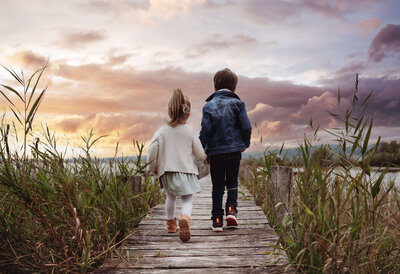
[242, 250]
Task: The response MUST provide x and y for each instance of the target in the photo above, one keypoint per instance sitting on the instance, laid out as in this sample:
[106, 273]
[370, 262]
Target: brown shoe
[171, 226]
[184, 228]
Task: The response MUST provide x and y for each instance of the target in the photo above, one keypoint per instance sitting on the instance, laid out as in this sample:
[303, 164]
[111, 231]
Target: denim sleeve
[205, 128]
[244, 124]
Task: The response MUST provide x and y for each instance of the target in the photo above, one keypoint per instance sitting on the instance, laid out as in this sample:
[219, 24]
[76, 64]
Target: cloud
[115, 58]
[80, 38]
[286, 10]
[350, 70]
[148, 12]
[335, 8]
[28, 58]
[133, 102]
[385, 43]
[131, 126]
[367, 26]
[273, 11]
[216, 42]
[317, 108]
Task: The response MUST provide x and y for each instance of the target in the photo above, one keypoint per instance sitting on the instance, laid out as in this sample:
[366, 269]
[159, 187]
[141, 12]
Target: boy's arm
[244, 124]
[205, 128]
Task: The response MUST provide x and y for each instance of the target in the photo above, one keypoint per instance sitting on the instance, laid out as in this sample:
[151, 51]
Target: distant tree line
[387, 154]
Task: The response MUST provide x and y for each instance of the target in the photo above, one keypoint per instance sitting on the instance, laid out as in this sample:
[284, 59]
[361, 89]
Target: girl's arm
[152, 155]
[198, 151]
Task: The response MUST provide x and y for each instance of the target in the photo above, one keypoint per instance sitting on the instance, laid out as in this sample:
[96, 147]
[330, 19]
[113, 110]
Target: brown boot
[184, 228]
[171, 226]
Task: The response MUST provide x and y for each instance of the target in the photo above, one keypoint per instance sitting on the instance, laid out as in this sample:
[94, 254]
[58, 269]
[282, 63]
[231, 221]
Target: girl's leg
[187, 205]
[170, 204]
[184, 221]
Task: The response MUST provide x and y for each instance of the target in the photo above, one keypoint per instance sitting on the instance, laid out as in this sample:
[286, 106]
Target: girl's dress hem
[180, 183]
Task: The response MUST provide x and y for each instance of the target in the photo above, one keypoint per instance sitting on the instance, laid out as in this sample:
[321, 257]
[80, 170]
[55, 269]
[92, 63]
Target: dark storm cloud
[386, 43]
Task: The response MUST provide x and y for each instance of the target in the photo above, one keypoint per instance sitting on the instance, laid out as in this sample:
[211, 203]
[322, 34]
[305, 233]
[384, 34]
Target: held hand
[207, 160]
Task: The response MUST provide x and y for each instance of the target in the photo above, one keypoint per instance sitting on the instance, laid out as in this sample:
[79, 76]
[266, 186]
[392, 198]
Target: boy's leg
[217, 170]
[232, 172]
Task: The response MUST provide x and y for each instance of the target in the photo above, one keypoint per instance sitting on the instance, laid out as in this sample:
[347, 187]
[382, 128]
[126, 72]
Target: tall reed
[341, 221]
[63, 215]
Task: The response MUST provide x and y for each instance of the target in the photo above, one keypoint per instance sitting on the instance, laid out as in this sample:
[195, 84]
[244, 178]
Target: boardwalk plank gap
[247, 249]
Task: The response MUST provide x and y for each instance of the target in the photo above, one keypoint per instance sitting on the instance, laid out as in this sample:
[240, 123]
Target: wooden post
[134, 181]
[280, 189]
[244, 173]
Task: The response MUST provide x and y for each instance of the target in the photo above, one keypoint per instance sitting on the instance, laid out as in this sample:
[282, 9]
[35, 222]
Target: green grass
[59, 215]
[340, 222]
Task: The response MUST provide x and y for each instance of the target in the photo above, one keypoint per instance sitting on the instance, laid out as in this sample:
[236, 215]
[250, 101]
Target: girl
[171, 156]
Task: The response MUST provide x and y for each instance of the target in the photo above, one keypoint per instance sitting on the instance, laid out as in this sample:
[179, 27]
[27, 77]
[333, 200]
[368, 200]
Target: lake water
[390, 176]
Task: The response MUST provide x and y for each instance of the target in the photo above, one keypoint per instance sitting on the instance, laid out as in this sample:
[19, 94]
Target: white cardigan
[174, 149]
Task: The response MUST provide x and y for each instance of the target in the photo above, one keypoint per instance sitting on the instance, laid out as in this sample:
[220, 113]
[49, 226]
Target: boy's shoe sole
[184, 230]
[217, 229]
[231, 221]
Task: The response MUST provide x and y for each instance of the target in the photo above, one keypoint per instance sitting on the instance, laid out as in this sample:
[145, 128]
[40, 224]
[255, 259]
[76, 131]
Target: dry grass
[340, 222]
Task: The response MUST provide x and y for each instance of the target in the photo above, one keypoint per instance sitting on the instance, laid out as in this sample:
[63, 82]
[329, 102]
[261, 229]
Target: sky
[113, 65]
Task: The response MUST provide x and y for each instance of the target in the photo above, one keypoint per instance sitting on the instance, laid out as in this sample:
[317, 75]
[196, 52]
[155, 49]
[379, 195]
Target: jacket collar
[222, 93]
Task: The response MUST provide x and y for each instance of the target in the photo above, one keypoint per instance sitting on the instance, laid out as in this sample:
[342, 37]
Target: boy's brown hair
[225, 78]
[178, 108]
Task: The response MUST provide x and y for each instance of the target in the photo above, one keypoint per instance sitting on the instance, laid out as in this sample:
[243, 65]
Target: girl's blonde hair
[178, 108]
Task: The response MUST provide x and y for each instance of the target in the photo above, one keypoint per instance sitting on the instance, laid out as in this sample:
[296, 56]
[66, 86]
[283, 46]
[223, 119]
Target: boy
[225, 133]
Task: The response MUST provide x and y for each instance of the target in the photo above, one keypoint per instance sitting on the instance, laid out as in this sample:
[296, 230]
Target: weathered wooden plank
[205, 252]
[207, 240]
[201, 262]
[234, 270]
[244, 218]
[206, 223]
[261, 229]
[206, 228]
[249, 211]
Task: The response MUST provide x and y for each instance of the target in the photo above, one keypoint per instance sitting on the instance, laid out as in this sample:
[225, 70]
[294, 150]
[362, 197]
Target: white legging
[170, 204]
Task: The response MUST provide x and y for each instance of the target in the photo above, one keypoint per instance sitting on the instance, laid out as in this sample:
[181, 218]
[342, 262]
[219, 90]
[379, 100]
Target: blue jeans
[224, 169]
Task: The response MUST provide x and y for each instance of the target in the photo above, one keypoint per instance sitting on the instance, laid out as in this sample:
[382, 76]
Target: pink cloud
[80, 38]
[217, 42]
[28, 58]
[367, 26]
[130, 126]
[317, 108]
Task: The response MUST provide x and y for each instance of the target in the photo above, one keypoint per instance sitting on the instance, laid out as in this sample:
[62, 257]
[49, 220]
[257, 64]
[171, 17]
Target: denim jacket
[225, 126]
